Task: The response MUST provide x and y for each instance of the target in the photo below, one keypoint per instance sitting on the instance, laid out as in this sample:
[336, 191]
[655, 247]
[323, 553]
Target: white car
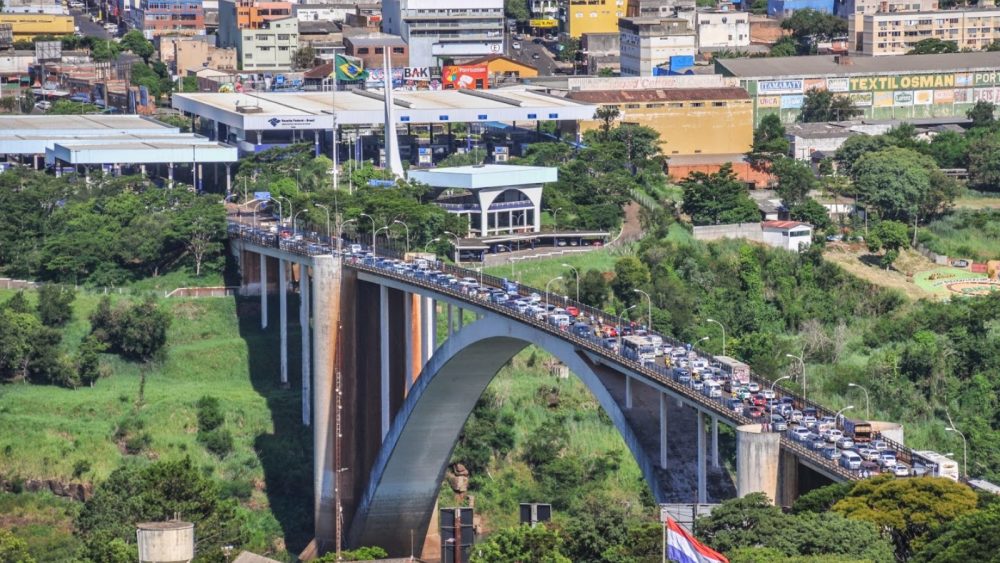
[901, 470]
[832, 435]
[43, 105]
[515, 45]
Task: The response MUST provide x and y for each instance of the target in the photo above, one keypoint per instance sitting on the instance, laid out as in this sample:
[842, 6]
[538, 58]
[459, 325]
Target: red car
[572, 311]
[758, 401]
[755, 412]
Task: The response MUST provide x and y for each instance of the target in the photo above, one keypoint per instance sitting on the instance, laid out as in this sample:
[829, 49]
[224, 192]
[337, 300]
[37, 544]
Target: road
[545, 63]
[87, 27]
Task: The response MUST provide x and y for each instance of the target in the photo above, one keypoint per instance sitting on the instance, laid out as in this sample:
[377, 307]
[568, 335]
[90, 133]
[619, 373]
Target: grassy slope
[44, 430]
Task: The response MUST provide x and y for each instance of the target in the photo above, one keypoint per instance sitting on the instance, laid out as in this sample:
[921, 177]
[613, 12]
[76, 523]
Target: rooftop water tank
[165, 542]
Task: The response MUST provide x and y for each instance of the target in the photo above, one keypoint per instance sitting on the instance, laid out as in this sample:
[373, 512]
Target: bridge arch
[404, 482]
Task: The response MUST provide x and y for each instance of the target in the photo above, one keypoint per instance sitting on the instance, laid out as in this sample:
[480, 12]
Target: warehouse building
[909, 87]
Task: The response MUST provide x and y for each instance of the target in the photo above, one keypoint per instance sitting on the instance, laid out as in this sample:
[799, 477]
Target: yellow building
[502, 68]
[593, 16]
[27, 26]
[690, 121]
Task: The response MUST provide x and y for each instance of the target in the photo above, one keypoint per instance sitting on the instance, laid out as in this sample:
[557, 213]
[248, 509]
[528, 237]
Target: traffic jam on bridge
[847, 447]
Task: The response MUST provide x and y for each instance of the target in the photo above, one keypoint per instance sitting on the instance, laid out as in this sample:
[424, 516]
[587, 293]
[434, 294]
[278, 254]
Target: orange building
[237, 15]
[503, 68]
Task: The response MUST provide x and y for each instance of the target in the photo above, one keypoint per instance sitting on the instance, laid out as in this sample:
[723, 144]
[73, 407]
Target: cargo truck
[860, 429]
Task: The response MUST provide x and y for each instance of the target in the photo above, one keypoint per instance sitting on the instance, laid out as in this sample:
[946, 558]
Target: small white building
[722, 29]
[496, 198]
[647, 43]
[790, 235]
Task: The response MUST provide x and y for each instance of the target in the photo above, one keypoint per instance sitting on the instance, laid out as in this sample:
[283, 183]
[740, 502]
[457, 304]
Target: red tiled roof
[322, 71]
[662, 94]
[783, 224]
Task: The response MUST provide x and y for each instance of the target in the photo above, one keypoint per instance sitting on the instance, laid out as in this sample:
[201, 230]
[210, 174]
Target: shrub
[218, 441]
[80, 467]
[210, 414]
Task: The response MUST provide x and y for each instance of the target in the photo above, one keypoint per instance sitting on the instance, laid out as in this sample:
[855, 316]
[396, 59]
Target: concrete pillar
[427, 334]
[326, 310]
[788, 478]
[757, 454]
[450, 329]
[628, 391]
[461, 317]
[263, 291]
[383, 307]
[283, 318]
[408, 350]
[715, 442]
[170, 174]
[663, 430]
[306, 344]
[702, 473]
[229, 180]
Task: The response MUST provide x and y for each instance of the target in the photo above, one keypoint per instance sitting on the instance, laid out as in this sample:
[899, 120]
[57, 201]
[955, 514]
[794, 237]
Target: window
[697, 104]
[379, 50]
[675, 105]
[632, 106]
[397, 50]
[282, 48]
[282, 37]
[362, 51]
[653, 106]
[719, 104]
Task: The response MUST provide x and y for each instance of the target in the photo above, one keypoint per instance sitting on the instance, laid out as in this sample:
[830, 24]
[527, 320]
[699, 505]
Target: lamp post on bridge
[291, 209]
[649, 314]
[576, 274]
[867, 402]
[775, 382]
[430, 242]
[280, 213]
[407, 227]
[803, 364]
[458, 247]
[327, 209]
[373, 230]
[255, 208]
[723, 333]
[294, 217]
[547, 292]
[620, 317]
[375, 238]
[965, 450]
[837, 416]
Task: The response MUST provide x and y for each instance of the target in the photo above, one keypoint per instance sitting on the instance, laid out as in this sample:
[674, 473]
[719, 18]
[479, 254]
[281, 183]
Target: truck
[860, 429]
[935, 465]
[421, 260]
[639, 347]
[734, 369]
[511, 287]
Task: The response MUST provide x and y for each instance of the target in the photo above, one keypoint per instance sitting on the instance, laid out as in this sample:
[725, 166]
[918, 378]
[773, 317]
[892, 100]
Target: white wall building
[650, 42]
[269, 48]
[322, 12]
[790, 235]
[718, 29]
[496, 198]
[438, 29]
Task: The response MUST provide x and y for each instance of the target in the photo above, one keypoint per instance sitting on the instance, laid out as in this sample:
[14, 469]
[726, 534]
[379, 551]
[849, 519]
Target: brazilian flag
[350, 69]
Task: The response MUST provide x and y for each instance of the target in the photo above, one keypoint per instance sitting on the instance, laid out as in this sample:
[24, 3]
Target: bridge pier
[408, 336]
[449, 329]
[702, 475]
[757, 460]
[628, 395]
[461, 318]
[304, 297]
[384, 356]
[715, 442]
[428, 316]
[263, 291]
[283, 317]
[326, 316]
[663, 425]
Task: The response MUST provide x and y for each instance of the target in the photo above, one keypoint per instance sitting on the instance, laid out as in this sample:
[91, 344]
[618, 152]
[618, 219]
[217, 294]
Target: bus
[734, 369]
[639, 347]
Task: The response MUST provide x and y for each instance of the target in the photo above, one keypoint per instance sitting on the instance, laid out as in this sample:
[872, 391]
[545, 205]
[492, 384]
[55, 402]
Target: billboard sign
[544, 22]
[459, 77]
[861, 99]
[779, 87]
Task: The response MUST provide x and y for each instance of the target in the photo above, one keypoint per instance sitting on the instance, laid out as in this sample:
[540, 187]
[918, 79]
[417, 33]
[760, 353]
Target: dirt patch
[900, 277]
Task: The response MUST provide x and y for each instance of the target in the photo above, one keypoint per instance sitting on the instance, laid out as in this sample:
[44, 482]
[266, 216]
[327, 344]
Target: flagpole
[663, 527]
[333, 139]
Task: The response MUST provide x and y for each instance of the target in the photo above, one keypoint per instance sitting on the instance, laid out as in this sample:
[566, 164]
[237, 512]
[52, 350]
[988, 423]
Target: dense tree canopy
[822, 105]
[933, 46]
[717, 198]
[769, 141]
[523, 543]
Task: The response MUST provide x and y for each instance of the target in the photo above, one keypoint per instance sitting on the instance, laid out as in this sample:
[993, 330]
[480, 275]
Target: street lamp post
[965, 451]
[649, 311]
[280, 213]
[868, 413]
[430, 242]
[836, 417]
[775, 382]
[255, 208]
[407, 227]
[555, 222]
[375, 238]
[327, 209]
[620, 316]
[547, 292]
[294, 218]
[803, 364]
[373, 229]
[458, 247]
[723, 334]
[291, 210]
[576, 274]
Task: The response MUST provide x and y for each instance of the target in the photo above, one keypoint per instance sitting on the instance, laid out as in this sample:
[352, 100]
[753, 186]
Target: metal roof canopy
[65, 125]
[826, 65]
[312, 110]
[39, 144]
[142, 153]
[485, 176]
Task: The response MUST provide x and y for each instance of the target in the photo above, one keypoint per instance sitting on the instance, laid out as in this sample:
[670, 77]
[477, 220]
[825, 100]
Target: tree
[984, 162]
[855, 147]
[812, 212]
[814, 25]
[88, 361]
[982, 114]
[949, 149]
[890, 236]
[55, 304]
[972, 537]
[517, 9]
[13, 549]
[909, 510]
[593, 288]
[822, 105]
[795, 180]
[630, 274]
[304, 58]
[155, 492]
[136, 43]
[201, 225]
[607, 115]
[784, 47]
[717, 198]
[769, 142]
[520, 544]
[821, 500]
[67, 107]
[898, 183]
[189, 84]
[367, 553]
[933, 46]
[137, 332]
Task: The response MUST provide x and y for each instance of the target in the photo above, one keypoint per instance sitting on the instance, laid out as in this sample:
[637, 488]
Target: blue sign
[381, 183]
[262, 196]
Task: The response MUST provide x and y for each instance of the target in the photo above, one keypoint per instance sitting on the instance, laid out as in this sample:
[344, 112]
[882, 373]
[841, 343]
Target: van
[712, 389]
[850, 460]
[560, 321]
[355, 249]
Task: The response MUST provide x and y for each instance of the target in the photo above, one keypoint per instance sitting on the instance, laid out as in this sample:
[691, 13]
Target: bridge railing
[658, 373]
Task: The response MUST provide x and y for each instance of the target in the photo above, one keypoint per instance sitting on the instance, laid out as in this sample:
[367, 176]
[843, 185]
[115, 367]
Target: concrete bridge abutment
[757, 461]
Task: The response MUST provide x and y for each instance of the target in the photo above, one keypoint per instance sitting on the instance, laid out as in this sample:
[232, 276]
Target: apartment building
[369, 47]
[269, 47]
[647, 43]
[27, 26]
[445, 29]
[656, 8]
[896, 33]
[50, 7]
[593, 16]
[854, 11]
[184, 54]
[169, 17]
[237, 15]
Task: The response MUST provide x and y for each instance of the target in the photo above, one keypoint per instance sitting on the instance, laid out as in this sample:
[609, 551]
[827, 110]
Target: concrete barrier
[749, 231]
[757, 455]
